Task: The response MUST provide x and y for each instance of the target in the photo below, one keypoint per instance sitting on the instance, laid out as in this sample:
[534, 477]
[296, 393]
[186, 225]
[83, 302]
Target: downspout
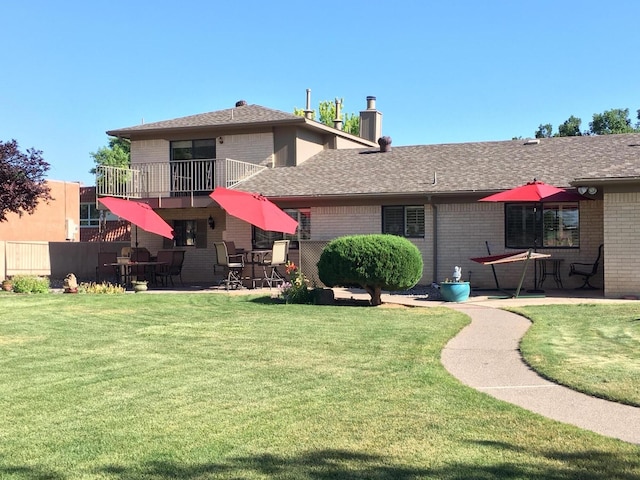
[434, 230]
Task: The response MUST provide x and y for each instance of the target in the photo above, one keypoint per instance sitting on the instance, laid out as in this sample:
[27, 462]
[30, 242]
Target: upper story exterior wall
[56, 221]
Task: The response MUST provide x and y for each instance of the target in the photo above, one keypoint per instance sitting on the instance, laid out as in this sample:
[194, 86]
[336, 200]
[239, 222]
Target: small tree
[327, 114]
[117, 154]
[373, 262]
[22, 183]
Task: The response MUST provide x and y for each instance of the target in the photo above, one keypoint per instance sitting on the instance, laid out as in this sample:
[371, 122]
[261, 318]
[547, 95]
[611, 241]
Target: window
[89, 215]
[191, 167]
[404, 221]
[547, 225]
[185, 232]
[263, 239]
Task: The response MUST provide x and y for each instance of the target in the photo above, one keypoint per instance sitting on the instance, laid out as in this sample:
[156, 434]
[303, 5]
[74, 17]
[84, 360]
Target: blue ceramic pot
[455, 291]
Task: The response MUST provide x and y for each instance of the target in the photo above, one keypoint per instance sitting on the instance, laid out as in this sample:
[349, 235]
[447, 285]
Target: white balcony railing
[172, 179]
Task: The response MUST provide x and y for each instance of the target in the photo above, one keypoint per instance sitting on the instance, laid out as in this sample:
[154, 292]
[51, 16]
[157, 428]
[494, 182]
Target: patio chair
[233, 266]
[105, 271]
[277, 257]
[174, 259]
[587, 270]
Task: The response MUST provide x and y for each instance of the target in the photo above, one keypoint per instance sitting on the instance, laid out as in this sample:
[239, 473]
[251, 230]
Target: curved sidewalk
[485, 355]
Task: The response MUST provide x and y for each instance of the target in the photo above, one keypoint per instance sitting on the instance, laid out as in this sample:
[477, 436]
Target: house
[335, 184]
[113, 229]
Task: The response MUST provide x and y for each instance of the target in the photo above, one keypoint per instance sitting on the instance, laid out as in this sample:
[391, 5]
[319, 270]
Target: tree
[117, 154]
[373, 262]
[22, 184]
[544, 131]
[611, 121]
[327, 114]
[570, 128]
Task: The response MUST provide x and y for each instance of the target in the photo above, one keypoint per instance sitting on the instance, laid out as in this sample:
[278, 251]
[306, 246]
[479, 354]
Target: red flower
[290, 267]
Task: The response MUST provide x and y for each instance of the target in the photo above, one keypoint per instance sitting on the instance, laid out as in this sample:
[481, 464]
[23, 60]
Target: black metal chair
[587, 270]
[173, 268]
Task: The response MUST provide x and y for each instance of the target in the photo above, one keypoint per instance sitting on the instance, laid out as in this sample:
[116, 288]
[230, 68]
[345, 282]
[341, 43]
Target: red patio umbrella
[254, 209]
[534, 192]
[138, 213]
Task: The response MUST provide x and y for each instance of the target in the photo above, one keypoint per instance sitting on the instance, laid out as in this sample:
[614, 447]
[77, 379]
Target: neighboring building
[53, 221]
[335, 183]
[113, 229]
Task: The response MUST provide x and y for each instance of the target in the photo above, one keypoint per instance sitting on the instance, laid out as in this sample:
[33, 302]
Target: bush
[30, 284]
[373, 262]
[105, 288]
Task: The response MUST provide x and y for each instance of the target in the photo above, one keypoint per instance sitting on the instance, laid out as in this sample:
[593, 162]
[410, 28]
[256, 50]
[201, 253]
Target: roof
[242, 115]
[452, 168]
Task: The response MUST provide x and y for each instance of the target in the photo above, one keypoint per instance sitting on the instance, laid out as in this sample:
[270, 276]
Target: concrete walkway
[485, 355]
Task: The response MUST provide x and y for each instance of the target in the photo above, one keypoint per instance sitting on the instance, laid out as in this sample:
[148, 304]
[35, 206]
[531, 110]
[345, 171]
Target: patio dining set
[263, 264]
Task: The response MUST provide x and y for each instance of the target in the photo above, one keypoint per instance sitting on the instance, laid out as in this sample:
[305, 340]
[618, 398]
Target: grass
[216, 386]
[591, 348]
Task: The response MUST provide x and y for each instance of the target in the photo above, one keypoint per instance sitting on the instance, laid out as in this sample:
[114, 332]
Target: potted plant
[7, 285]
[455, 290]
[139, 286]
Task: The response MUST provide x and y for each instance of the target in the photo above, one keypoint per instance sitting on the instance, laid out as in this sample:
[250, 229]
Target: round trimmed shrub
[374, 262]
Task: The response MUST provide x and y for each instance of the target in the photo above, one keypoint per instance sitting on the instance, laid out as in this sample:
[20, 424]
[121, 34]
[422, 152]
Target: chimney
[337, 123]
[371, 121]
[385, 144]
[308, 113]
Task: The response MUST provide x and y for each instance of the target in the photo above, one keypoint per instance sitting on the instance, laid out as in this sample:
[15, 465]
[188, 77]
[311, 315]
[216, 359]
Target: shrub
[373, 262]
[30, 284]
[100, 288]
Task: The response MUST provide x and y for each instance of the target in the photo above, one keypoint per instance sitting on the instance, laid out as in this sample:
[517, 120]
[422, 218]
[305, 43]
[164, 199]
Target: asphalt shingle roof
[463, 167]
[246, 114]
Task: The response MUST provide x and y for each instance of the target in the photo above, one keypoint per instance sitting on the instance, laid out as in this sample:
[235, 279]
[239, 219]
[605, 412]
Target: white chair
[277, 257]
[233, 266]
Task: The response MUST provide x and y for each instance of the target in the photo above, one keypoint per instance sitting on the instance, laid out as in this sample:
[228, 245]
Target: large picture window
[547, 225]
[263, 239]
[405, 221]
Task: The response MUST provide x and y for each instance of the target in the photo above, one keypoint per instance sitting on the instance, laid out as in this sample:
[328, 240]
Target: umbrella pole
[535, 288]
[136, 236]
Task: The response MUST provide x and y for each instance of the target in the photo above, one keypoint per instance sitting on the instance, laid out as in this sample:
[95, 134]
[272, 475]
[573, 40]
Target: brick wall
[622, 231]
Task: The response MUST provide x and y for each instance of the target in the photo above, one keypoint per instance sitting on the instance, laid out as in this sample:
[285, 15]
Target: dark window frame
[542, 225]
[408, 229]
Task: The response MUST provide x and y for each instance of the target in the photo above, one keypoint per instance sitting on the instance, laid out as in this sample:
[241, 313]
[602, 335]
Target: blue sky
[442, 71]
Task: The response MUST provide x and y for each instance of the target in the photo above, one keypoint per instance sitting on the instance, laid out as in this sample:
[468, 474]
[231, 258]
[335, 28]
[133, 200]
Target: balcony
[184, 178]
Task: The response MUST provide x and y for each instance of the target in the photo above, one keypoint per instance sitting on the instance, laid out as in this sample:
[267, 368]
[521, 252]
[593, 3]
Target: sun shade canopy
[140, 214]
[509, 257]
[254, 209]
[534, 192]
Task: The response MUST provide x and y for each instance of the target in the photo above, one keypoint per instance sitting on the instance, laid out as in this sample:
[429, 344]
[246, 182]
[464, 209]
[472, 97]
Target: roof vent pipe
[308, 113]
[385, 144]
[337, 123]
[371, 103]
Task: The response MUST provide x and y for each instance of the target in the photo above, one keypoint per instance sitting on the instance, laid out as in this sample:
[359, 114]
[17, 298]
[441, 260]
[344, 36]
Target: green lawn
[215, 386]
[591, 348]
